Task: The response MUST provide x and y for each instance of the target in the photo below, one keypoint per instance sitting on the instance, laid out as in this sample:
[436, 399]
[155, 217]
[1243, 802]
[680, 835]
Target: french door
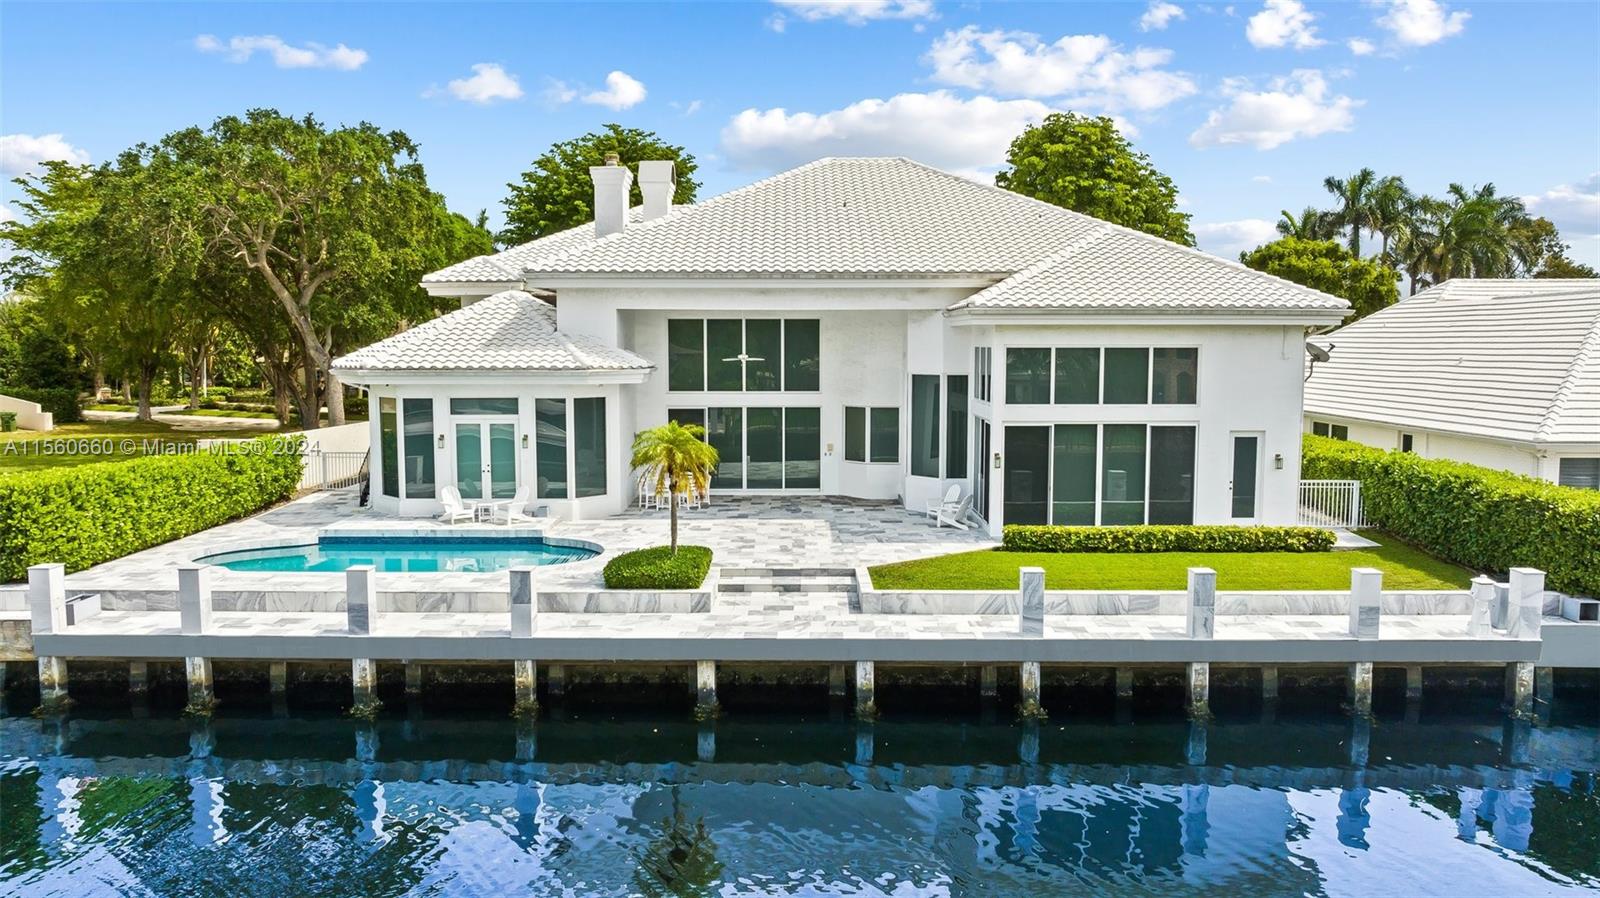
[761, 448]
[486, 458]
[1246, 485]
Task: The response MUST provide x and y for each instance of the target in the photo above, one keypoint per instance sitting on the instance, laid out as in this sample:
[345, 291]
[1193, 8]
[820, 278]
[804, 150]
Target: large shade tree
[1325, 265]
[1084, 163]
[556, 193]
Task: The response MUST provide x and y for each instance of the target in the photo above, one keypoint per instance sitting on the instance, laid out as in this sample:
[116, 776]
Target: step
[788, 573]
[785, 584]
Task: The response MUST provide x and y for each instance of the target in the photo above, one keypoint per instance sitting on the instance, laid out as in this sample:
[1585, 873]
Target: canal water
[608, 802]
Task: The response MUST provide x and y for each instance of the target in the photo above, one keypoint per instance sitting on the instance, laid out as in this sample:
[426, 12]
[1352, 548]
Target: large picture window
[1108, 474]
[1027, 376]
[872, 434]
[550, 423]
[743, 354]
[1127, 380]
[955, 454]
[589, 446]
[389, 435]
[762, 448]
[1173, 374]
[1088, 375]
[418, 422]
[925, 425]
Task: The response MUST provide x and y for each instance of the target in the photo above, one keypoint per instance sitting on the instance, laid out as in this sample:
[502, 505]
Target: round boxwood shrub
[658, 568]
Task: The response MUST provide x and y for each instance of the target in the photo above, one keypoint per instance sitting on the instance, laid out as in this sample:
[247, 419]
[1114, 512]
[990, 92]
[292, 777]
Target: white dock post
[866, 693]
[1481, 624]
[138, 679]
[1525, 609]
[1124, 684]
[1520, 679]
[1544, 691]
[363, 683]
[47, 598]
[197, 671]
[1199, 681]
[1269, 684]
[194, 599]
[1030, 707]
[988, 681]
[1366, 594]
[838, 680]
[1361, 688]
[52, 685]
[524, 603]
[555, 681]
[413, 675]
[1413, 683]
[525, 680]
[360, 600]
[277, 678]
[1202, 611]
[1030, 602]
[705, 690]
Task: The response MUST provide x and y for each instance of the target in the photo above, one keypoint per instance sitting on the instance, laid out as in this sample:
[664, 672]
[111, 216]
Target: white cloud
[689, 108]
[1292, 107]
[1360, 46]
[1575, 208]
[622, 91]
[1230, 238]
[852, 12]
[1262, 179]
[938, 128]
[1283, 23]
[1089, 70]
[1159, 15]
[489, 83]
[20, 154]
[285, 56]
[557, 92]
[1417, 23]
[6, 214]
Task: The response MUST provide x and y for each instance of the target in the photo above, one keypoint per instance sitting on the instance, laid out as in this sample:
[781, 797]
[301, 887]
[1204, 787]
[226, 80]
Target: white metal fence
[332, 470]
[1330, 503]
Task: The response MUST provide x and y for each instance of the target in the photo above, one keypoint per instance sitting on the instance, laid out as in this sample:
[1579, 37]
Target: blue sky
[1246, 105]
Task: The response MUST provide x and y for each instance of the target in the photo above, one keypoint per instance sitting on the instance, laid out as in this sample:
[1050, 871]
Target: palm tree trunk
[672, 501]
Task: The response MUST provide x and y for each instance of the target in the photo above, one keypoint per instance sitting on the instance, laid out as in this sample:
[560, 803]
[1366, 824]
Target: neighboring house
[1499, 373]
[863, 327]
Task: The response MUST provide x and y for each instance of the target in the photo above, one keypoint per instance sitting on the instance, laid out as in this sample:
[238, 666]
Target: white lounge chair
[455, 510]
[513, 510]
[951, 497]
[952, 513]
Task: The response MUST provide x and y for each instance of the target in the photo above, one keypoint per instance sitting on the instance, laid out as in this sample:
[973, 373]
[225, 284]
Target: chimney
[612, 185]
[656, 183]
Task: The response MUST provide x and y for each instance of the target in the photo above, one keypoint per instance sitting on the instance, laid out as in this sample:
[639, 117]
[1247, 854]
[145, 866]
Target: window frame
[781, 363]
[868, 443]
[1100, 374]
[1099, 465]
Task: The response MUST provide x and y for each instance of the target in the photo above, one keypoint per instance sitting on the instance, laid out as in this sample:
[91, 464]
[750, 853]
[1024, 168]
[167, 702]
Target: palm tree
[676, 461]
[1355, 204]
[1311, 224]
[1470, 233]
[1391, 209]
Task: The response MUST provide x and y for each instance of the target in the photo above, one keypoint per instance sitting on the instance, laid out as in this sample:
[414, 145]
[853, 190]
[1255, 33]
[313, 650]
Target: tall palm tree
[1469, 233]
[1311, 224]
[676, 461]
[1354, 195]
[1391, 209]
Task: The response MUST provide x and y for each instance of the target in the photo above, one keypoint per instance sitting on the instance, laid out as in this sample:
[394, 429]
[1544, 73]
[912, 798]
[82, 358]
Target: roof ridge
[1036, 268]
[1143, 235]
[1588, 353]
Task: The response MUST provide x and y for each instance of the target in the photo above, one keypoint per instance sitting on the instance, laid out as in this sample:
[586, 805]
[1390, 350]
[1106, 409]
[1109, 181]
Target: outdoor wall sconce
[997, 461]
[441, 441]
[525, 443]
[1277, 461]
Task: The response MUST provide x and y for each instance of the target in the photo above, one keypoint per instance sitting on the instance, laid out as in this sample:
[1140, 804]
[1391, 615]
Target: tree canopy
[1325, 265]
[556, 193]
[1083, 163]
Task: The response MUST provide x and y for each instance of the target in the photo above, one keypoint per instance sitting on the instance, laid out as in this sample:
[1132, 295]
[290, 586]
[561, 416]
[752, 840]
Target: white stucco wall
[1542, 462]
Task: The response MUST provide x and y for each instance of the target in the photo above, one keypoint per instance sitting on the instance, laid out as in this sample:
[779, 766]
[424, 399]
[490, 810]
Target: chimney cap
[613, 159]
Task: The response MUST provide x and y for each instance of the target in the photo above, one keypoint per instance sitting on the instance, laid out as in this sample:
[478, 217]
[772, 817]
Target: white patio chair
[455, 510]
[513, 511]
[951, 497]
[955, 514]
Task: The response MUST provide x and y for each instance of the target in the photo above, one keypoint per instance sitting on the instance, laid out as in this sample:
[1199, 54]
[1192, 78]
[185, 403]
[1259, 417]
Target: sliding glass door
[1107, 474]
[761, 448]
[1027, 489]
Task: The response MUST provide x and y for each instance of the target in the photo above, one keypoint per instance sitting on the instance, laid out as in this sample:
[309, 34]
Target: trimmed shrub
[658, 568]
[1165, 538]
[8, 422]
[61, 403]
[1484, 519]
[82, 516]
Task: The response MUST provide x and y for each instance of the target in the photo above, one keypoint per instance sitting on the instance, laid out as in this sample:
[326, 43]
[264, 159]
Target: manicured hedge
[658, 568]
[63, 404]
[1487, 520]
[1164, 538]
[84, 515]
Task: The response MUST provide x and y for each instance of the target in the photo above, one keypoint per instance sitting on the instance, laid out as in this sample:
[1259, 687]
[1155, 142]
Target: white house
[1499, 373]
[866, 327]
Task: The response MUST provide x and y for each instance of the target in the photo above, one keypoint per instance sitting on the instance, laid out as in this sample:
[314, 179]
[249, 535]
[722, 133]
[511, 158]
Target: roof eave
[969, 316]
[680, 279]
[368, 376]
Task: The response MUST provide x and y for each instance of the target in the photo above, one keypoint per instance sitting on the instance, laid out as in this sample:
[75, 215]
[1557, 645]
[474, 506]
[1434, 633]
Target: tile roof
[509, 331]
[506, 266]
[1506, 359]
[1113, 268]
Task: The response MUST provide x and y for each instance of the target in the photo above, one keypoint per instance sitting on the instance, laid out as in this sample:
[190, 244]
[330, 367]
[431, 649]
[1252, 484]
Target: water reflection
[428, 806]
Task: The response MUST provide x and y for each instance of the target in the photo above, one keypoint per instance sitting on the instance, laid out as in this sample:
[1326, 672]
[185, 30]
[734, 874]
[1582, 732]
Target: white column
[47, 598]
[1361, 688]
[1030, 602]
[866, 697]
[1525, 607]
[524, 603]
[705, 689]
[363, 683]
[1032, 708]
[194, 598]
[360, 600]
[138, 678]
[1202, 619]
[1520, 677]
[277, 677]
[1366, 591]
[52, 684]
[1199, 682]
[525, 679]
[198, 673]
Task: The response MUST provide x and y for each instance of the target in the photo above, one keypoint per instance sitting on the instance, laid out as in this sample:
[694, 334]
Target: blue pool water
[413, 555]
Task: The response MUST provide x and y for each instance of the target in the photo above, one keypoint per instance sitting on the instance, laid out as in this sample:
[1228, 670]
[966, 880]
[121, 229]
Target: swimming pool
[440, 554]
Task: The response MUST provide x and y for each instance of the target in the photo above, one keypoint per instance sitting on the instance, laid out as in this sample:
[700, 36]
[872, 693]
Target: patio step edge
[789, 573]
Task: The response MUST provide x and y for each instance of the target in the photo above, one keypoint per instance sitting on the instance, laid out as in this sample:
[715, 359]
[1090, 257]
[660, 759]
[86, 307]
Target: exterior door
[486, 459]
[1246, 484]
[1027, 486]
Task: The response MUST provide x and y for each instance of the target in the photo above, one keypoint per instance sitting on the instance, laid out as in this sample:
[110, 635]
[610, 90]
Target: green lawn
[123, 439]
[222, 413]
[1403, 568]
